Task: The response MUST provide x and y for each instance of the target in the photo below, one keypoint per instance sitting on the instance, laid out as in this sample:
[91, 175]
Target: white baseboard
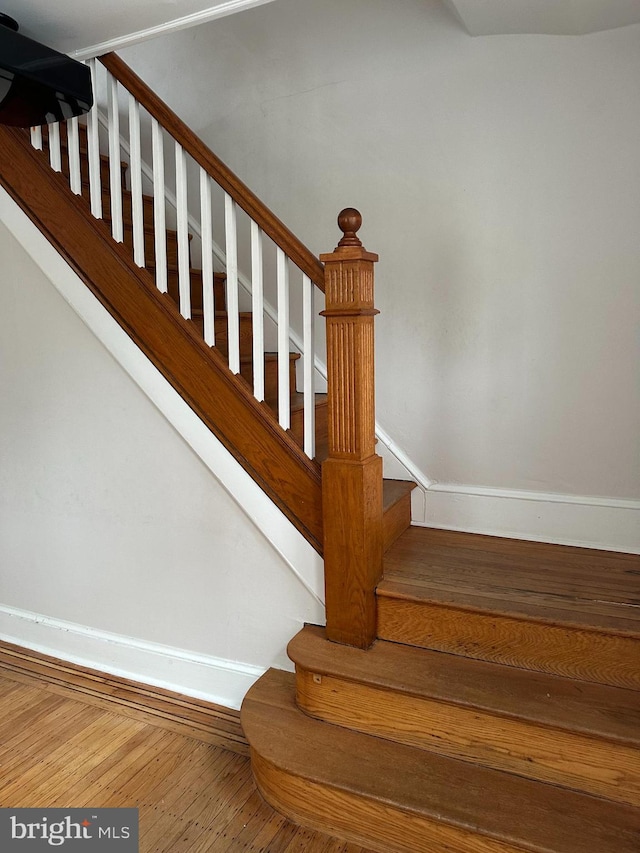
[586, 521]
[201, 676]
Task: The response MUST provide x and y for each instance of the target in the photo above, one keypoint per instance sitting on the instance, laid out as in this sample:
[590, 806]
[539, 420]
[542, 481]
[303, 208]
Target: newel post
[352, 473]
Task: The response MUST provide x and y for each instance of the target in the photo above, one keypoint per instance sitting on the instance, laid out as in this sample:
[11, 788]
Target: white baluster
[257, 307]
[135, 172]
[233, 320]
[308, 337]
[182, 217]
[73, 152]
[36, 138]
[115, 174]
[55, 153]
[284, 385]
[206, 230]
[159, 219]
[93, 141]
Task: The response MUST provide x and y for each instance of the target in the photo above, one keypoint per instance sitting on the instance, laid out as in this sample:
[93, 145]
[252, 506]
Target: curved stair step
[393, 797]
[570, 733]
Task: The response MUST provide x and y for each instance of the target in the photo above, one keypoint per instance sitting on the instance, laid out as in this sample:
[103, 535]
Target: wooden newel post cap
[349, 222]
[350, 247]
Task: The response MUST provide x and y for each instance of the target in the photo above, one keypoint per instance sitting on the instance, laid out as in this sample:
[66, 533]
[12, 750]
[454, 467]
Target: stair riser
[150, 251]
[246, 345]
[150, 246]
[362, 820]
[196, 289]
[127, 215]
[246, 336]
[147, 207]
[576, 653]
[105, 173]
[396, 521]
[84, 159]
[270, 378]
[297, 424]
[149, 237]
[105, 184]
[62, 127]
[606, 769]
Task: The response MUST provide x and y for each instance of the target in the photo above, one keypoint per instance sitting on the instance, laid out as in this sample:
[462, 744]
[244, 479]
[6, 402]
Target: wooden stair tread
[194, 274]
[297, 401]
[220, 315]
[83, 141]
[62, 126]
[597, 710]
[556, 584]
[269, 356]
[148, 228]
[127, 204]
[516, 811]
[394, 491]
[245, 318]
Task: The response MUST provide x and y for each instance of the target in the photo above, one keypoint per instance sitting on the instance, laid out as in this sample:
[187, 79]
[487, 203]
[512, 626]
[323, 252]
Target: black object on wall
[38, 85]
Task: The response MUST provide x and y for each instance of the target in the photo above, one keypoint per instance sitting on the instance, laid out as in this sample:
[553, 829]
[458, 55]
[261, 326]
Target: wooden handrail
[242, 195]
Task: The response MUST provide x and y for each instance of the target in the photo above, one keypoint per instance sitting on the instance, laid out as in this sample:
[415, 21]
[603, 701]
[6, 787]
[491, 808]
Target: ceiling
[78, 26]
[87, 27]
[551, 17]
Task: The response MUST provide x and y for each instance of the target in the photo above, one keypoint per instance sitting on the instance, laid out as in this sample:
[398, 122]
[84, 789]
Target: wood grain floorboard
[193, 796]
[586, 655]
[550, 583]
[412, 800]
[182, 714]
[610, 713]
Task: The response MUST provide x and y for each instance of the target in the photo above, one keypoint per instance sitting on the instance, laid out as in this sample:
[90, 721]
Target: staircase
[499, 710]
[196, 287]
[468, 694]
[249, 425]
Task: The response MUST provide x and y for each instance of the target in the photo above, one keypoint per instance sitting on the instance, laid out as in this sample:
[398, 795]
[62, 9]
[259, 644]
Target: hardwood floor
[62, 747]
[554, 583]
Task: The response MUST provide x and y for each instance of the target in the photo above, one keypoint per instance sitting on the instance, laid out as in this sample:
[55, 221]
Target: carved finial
[349, 221]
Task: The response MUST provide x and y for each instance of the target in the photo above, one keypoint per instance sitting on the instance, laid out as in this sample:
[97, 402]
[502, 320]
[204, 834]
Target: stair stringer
[401, 466]
[284, 536]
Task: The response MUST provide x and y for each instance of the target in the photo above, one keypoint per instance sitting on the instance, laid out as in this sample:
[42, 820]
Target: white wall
[499, 180]
[118, 547]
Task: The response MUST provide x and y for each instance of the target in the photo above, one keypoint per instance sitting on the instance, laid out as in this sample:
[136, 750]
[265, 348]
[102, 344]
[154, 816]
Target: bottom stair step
[399, 799]
[570, 733]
